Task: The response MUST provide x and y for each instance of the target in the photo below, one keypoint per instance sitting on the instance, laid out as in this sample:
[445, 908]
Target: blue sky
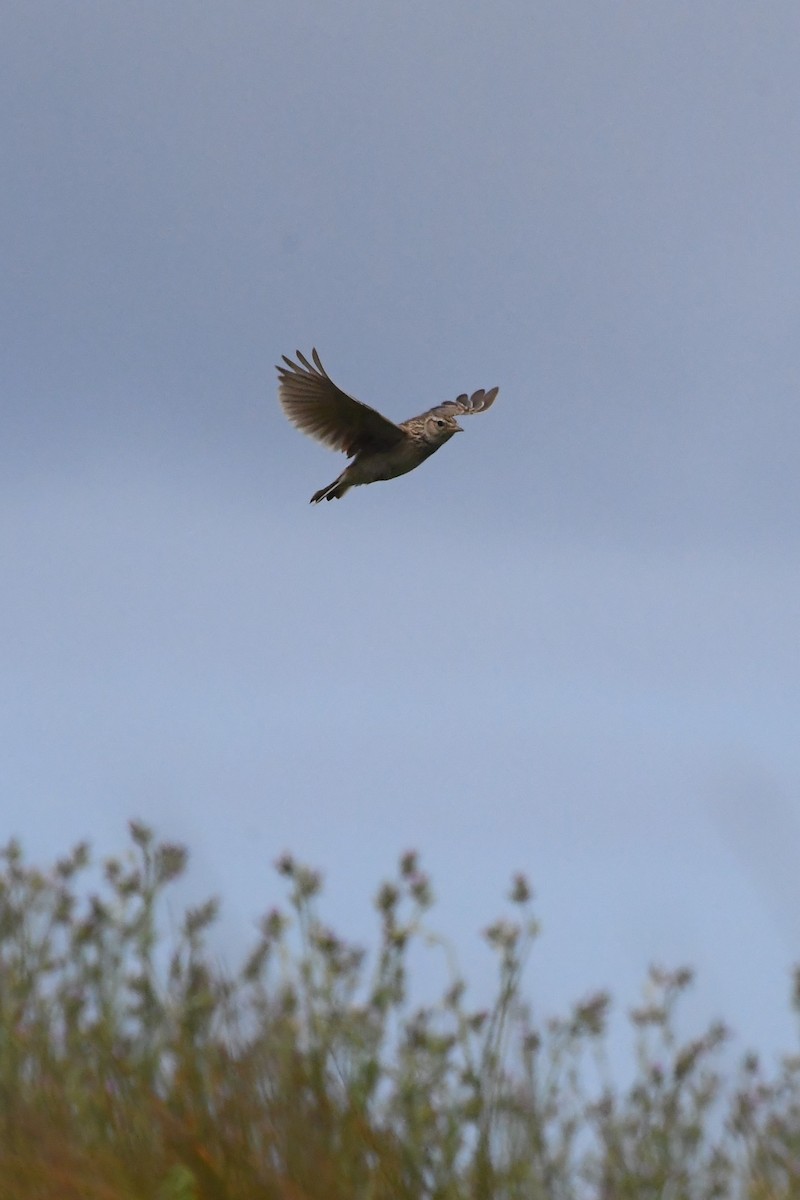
[566, 645]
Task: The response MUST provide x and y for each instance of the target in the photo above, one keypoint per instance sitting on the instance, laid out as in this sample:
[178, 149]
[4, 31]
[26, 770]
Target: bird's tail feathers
[334, 491]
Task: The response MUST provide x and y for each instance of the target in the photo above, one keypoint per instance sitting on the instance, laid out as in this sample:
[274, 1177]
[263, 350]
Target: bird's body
[376, 466]
[379, 449]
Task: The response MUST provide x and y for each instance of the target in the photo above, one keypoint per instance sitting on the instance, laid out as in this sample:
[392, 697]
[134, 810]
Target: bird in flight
[378, 448]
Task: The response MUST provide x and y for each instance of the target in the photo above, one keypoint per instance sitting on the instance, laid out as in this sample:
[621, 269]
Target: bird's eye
[440, 422]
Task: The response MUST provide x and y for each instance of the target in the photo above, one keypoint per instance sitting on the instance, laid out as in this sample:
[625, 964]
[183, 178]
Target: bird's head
[440, 427]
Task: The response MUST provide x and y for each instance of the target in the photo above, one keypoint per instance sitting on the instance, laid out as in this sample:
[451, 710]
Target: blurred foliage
[132, 1065]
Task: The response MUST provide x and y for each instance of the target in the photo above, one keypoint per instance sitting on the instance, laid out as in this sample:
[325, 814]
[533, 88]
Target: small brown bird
[379, 448]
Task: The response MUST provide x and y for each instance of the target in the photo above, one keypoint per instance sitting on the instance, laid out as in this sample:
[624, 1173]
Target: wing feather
[465, 405]
[316, 406]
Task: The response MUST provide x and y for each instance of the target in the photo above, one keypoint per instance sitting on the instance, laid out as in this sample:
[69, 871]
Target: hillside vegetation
[135, 1066]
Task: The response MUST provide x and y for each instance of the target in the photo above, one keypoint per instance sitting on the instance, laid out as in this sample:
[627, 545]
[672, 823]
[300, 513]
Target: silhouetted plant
[132, 1065]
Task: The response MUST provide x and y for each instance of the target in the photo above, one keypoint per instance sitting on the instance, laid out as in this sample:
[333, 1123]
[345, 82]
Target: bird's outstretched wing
[465, 405]
[313, 402]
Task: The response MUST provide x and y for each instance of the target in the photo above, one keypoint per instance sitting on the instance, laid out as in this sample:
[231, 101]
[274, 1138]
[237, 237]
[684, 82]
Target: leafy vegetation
[132, 1065]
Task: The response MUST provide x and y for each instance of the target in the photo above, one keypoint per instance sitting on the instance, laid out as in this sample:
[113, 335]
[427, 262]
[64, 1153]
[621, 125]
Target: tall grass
[133, 1066]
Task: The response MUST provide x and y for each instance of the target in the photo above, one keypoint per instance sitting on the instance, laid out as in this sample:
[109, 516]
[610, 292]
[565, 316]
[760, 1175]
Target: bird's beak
[458, 428]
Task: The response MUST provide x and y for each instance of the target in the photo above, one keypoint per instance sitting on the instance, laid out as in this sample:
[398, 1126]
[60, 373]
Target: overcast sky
[570, 643]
